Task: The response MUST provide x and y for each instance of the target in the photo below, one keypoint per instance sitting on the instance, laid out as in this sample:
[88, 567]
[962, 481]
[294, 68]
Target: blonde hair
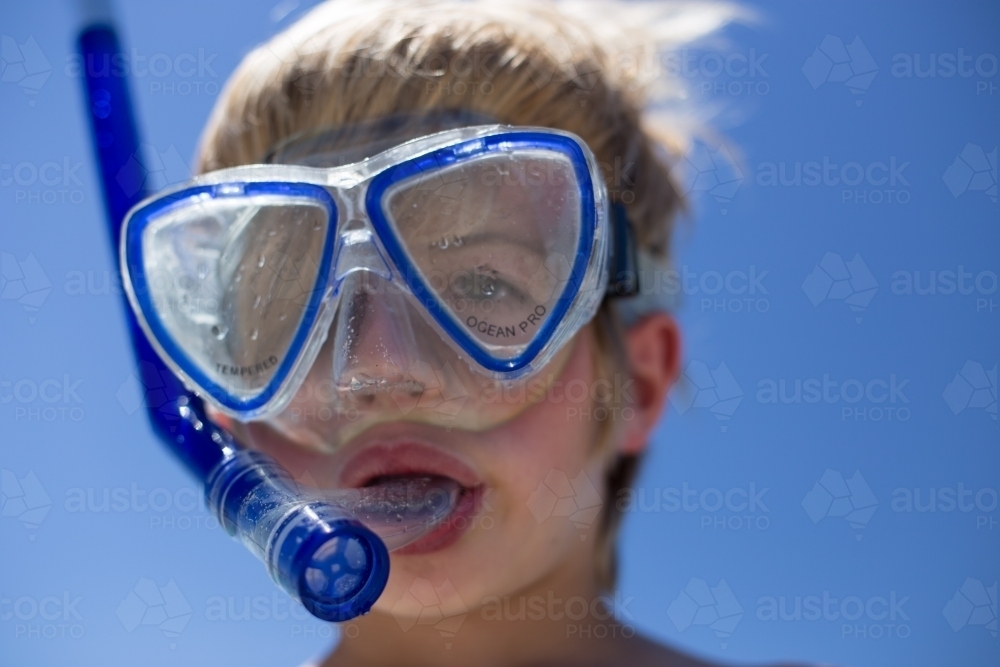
[591, 68]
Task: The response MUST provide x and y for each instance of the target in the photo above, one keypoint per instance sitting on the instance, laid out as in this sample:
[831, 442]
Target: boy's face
[533, 482]
[387, 397]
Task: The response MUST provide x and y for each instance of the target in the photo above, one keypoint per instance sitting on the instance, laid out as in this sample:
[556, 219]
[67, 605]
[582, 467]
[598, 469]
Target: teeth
[418, 492]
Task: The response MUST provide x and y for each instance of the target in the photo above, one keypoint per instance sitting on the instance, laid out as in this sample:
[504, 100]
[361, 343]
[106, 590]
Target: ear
[653, 346]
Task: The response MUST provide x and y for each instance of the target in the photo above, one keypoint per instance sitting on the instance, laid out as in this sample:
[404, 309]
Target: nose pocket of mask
[232, 285]
[378, 337]
[388, 358]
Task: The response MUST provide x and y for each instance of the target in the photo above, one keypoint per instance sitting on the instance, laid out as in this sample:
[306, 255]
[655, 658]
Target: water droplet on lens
[253, 336]
[260, 262]
[219, 332]
[256, 302]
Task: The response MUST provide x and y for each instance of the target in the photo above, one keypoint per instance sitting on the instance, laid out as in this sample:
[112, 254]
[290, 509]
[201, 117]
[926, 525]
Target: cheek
[543, 453]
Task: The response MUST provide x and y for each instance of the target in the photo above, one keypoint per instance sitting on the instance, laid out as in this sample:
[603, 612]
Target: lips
[379, 461]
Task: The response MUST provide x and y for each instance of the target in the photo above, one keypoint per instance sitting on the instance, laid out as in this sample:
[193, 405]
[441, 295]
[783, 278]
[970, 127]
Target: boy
[509, 579]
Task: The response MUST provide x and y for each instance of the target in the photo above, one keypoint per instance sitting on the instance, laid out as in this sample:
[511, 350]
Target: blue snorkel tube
[313, 545]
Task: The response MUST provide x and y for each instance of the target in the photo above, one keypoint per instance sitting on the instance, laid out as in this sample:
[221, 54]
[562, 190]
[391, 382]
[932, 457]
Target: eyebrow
[494, 236]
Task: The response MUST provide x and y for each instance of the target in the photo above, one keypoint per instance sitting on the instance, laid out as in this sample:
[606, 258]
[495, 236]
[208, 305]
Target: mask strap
[623, 274]
[336, 145]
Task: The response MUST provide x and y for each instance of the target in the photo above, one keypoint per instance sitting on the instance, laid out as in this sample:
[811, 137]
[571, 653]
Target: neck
[560, 618]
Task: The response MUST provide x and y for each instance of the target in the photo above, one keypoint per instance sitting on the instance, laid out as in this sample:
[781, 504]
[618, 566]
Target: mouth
[383, 463]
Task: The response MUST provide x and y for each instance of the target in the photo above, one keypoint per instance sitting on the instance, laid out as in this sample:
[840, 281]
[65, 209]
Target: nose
[373, 334]
[385, 354]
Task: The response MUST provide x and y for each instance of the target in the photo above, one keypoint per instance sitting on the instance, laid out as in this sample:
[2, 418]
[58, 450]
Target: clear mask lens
[493, 239]
[232, 280]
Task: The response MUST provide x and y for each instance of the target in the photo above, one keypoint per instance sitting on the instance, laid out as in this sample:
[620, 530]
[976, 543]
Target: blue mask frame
[313, 184]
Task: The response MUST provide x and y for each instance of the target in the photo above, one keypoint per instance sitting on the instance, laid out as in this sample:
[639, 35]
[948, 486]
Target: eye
[483, 284]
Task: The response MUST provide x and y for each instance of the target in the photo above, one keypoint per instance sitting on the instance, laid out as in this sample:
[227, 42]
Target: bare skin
[499, 595]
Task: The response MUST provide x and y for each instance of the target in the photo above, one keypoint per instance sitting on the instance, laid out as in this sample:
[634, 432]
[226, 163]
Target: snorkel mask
[242, 310]
[409, 284]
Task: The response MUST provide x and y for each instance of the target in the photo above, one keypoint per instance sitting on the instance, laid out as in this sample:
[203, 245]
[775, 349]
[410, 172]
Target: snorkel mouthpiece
[313, 548]
[329, 549]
